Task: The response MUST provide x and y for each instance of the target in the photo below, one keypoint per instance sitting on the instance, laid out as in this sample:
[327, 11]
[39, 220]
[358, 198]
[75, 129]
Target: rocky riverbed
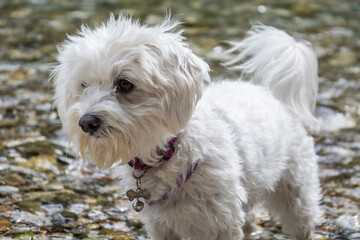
[48, 192]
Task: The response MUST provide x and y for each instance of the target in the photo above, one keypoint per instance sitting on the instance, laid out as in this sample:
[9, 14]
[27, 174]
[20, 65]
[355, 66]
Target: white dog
[202, 154]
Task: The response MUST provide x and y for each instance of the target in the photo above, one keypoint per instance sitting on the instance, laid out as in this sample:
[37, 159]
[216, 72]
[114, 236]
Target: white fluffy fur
[252, 147]
[288, 68]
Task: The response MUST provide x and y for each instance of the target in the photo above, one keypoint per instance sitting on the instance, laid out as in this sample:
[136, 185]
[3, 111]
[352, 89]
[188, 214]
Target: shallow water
[46, 193]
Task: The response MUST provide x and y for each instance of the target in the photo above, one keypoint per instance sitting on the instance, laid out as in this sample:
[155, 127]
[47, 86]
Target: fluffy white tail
[288, 68]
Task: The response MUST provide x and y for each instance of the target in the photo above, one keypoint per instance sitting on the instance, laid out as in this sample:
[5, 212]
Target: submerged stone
[5, 225]
[30, 206]
[349, 222]
[5, 209]
[117, 235]
[42, 163]
[8, 189]
[43, 188]
[14, 180]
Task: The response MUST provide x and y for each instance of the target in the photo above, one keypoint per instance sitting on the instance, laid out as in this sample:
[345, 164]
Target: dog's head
[122, 89]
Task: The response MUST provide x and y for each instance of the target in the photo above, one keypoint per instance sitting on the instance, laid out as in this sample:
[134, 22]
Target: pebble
[42, 163]
[5, 225]
[52, 187]
[97, 215]
[119, 226]
[30, 206]
[62, 236]
[5, 209]
[117, 234]
[44, 188]
[20, 228]
[80, 231]
[349, 222]
[343, 59]
[52, 209]
[63, 194]
[78, 208]
[8, 189]
[333, 121]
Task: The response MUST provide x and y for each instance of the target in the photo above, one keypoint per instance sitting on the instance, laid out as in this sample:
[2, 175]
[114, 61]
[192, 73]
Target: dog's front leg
[234, 234]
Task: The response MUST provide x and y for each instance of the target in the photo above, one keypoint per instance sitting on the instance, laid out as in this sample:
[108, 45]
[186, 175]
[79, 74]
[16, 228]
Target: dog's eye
[123, 86]
[84, 85]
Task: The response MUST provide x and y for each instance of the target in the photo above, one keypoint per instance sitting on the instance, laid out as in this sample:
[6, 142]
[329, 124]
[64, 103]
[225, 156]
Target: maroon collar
[138, 164]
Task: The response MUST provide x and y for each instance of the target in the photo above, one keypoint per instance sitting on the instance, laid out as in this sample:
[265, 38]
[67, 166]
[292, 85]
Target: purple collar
[181, 180]
[138, 164]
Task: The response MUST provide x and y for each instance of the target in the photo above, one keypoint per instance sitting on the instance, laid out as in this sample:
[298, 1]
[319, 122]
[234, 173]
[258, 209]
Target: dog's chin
[105, 150]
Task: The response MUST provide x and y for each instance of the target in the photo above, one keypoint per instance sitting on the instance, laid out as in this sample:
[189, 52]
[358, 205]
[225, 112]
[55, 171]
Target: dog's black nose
[89, 123]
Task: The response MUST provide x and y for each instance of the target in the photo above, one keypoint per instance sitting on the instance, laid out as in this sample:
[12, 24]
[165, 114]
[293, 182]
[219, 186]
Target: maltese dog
[199, 155]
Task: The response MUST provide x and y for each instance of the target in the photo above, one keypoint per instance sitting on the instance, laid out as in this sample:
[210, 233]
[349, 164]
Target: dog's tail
[288, 68]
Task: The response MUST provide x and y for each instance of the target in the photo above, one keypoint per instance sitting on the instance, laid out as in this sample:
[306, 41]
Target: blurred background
[46, 192]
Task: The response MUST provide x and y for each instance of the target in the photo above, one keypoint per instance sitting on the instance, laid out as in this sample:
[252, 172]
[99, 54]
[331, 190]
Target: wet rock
[42, 163]
[6, 123]
[83, 220]
[29, 127]
[70, 225]
[354, 181]
[80, 231]
[8, 189]
[34, 148]
[117, 235]
[5, 209]
[332, 121]
[38, 219]
[349, 222]
[61, 196]
[5, 225]
[79, 187]
[341, 32]
[30, 206]
[17, 55]
[20, 228]
[335, 154]
[52, 187]
[27, 171]
[97, 215]
[21, 13]
[78, 208]
[52, 209]
[122, 205]
[14, 180]
[69, 215]
[304, 8]
[353, 192]
[110, 189]
[116, 226]
[93, 226]
[63, 236]
[25, 236]
[354, 236]
[343, 59]
[136, 224]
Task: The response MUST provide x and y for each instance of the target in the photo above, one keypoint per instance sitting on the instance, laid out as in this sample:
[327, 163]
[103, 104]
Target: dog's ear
[62, 95]
[184, 75]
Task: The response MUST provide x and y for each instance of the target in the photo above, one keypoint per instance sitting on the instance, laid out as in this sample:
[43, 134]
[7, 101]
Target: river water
[46, 192]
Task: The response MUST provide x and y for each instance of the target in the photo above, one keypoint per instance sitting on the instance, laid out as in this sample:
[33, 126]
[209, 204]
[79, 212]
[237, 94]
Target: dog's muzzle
[89, 123]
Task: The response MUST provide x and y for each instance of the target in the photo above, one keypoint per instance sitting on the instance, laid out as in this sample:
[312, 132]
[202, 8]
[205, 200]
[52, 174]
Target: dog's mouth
[106, 146]
[95, 126]
[101, 133]
[95, 135]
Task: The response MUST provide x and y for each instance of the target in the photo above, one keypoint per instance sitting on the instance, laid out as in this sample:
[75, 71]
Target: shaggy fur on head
[248, 140]
[169, 81]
